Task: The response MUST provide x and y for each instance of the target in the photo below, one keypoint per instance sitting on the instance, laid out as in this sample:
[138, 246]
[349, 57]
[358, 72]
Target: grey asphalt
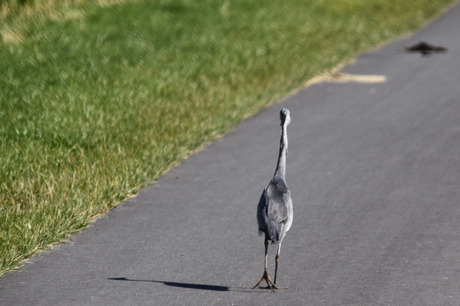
[374, 171]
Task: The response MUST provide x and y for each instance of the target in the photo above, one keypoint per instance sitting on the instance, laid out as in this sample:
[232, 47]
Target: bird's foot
[269, 281]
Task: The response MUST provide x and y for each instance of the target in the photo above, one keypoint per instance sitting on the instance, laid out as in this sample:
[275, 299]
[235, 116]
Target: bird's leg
[265, 276]
[277, 258]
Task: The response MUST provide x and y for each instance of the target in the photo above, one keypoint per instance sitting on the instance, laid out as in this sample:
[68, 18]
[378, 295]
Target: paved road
[374, 171]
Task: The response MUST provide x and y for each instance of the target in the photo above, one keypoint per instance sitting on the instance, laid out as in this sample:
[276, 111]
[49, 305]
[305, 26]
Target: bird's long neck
[281, 166]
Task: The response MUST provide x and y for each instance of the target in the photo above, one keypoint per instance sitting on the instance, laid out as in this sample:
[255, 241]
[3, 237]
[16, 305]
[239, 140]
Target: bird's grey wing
[275, 214]
[261, 212]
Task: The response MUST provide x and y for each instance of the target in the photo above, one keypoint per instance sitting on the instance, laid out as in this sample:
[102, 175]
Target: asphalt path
[374, 172]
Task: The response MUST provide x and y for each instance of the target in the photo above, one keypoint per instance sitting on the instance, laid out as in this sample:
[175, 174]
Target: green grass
[99, 101]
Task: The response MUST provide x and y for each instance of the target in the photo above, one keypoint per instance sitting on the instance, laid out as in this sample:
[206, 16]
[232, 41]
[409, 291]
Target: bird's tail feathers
[275, 231]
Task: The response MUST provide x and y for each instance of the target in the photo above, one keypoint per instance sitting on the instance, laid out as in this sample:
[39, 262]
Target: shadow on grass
[175, 284]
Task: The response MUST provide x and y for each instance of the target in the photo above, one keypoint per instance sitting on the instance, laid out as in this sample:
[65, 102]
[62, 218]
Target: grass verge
[97, 101]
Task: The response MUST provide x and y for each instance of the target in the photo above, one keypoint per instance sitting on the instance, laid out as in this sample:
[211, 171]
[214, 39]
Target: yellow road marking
[338, 77]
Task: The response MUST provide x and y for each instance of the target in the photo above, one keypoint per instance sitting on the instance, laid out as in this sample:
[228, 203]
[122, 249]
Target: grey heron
[274, 212]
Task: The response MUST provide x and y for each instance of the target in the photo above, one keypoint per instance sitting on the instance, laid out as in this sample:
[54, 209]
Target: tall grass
[98, 101]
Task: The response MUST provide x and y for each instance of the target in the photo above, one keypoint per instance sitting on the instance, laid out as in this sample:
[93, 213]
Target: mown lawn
[98, 100]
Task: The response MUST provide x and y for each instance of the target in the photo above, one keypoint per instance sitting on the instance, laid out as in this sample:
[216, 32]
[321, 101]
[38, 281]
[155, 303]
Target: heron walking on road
[274, 212]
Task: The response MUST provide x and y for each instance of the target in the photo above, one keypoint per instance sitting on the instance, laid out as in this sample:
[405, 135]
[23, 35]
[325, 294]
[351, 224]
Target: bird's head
[285, 116]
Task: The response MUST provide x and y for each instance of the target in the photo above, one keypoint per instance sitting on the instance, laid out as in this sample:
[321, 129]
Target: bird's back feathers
[273, 210]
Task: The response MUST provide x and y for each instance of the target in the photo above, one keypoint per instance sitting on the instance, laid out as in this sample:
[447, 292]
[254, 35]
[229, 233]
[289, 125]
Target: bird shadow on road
[180, 285]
